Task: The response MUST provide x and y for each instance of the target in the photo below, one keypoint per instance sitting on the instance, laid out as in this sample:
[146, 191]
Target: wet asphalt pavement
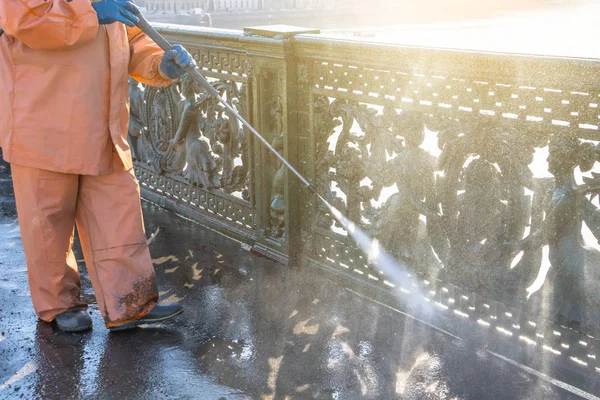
[252, 329]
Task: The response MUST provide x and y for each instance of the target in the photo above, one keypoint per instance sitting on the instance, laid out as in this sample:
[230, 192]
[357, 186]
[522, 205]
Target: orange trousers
[107, 211]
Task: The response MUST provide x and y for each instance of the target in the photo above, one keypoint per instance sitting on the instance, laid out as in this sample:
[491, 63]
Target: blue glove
[175, 61]
[110, 11]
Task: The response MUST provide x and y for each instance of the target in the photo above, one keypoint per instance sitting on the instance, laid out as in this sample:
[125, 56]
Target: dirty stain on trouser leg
[46, 203]
[111, 229]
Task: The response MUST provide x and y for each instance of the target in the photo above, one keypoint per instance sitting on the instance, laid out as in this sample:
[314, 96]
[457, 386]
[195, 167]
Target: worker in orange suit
[64, 107]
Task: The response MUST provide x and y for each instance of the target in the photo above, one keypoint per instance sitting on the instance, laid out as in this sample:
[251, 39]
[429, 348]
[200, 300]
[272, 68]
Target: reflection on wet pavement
[252, 329]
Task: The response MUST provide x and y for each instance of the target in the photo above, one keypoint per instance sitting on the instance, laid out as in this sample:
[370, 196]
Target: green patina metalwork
[428, 150]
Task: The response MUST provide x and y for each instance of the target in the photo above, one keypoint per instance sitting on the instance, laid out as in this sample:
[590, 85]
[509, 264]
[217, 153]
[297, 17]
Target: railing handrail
[510, 66]
[197, 32]
[525, 69]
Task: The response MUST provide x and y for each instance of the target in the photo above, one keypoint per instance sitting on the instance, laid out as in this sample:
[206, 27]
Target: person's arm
[145, 58]
[49, 24]
[151, 65]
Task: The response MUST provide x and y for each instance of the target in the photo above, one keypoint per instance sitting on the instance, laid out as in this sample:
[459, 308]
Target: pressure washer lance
[395, 271]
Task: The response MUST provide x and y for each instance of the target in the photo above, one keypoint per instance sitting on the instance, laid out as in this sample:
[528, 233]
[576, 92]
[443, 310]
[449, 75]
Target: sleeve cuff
[162, 79]
[161, 73]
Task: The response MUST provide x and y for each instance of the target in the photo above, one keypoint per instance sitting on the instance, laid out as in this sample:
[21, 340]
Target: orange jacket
[64, 100]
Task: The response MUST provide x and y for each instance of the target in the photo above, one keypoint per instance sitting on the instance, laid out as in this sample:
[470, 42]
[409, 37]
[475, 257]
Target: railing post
[275, 114]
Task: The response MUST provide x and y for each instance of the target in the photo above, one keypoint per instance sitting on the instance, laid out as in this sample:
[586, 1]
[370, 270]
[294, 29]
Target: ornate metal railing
[438, 154]
[207, 170]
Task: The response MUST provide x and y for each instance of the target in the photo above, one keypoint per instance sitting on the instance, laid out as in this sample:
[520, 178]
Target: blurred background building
[184, 6]
[354, 16]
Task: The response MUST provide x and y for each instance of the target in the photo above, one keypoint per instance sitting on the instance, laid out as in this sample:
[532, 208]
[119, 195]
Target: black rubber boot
[73, 321]
[160, 312]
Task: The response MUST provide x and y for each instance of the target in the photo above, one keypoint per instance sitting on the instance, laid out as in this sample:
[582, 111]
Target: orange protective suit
[64, 110]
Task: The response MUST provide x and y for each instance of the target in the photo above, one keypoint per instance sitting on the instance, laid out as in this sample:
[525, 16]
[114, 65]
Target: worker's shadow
[118, 364]
[131, 361]
[59, 358]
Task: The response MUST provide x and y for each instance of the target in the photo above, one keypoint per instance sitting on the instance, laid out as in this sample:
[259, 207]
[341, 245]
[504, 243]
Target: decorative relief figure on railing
[482, 175]
[274, 170]
[573, 273]
[162, 116]
[412, 170]
[137, 129]
[366, 164]
[324, 160]
[190, 151]
[191, 134]
[277, 207]
[346, 165]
